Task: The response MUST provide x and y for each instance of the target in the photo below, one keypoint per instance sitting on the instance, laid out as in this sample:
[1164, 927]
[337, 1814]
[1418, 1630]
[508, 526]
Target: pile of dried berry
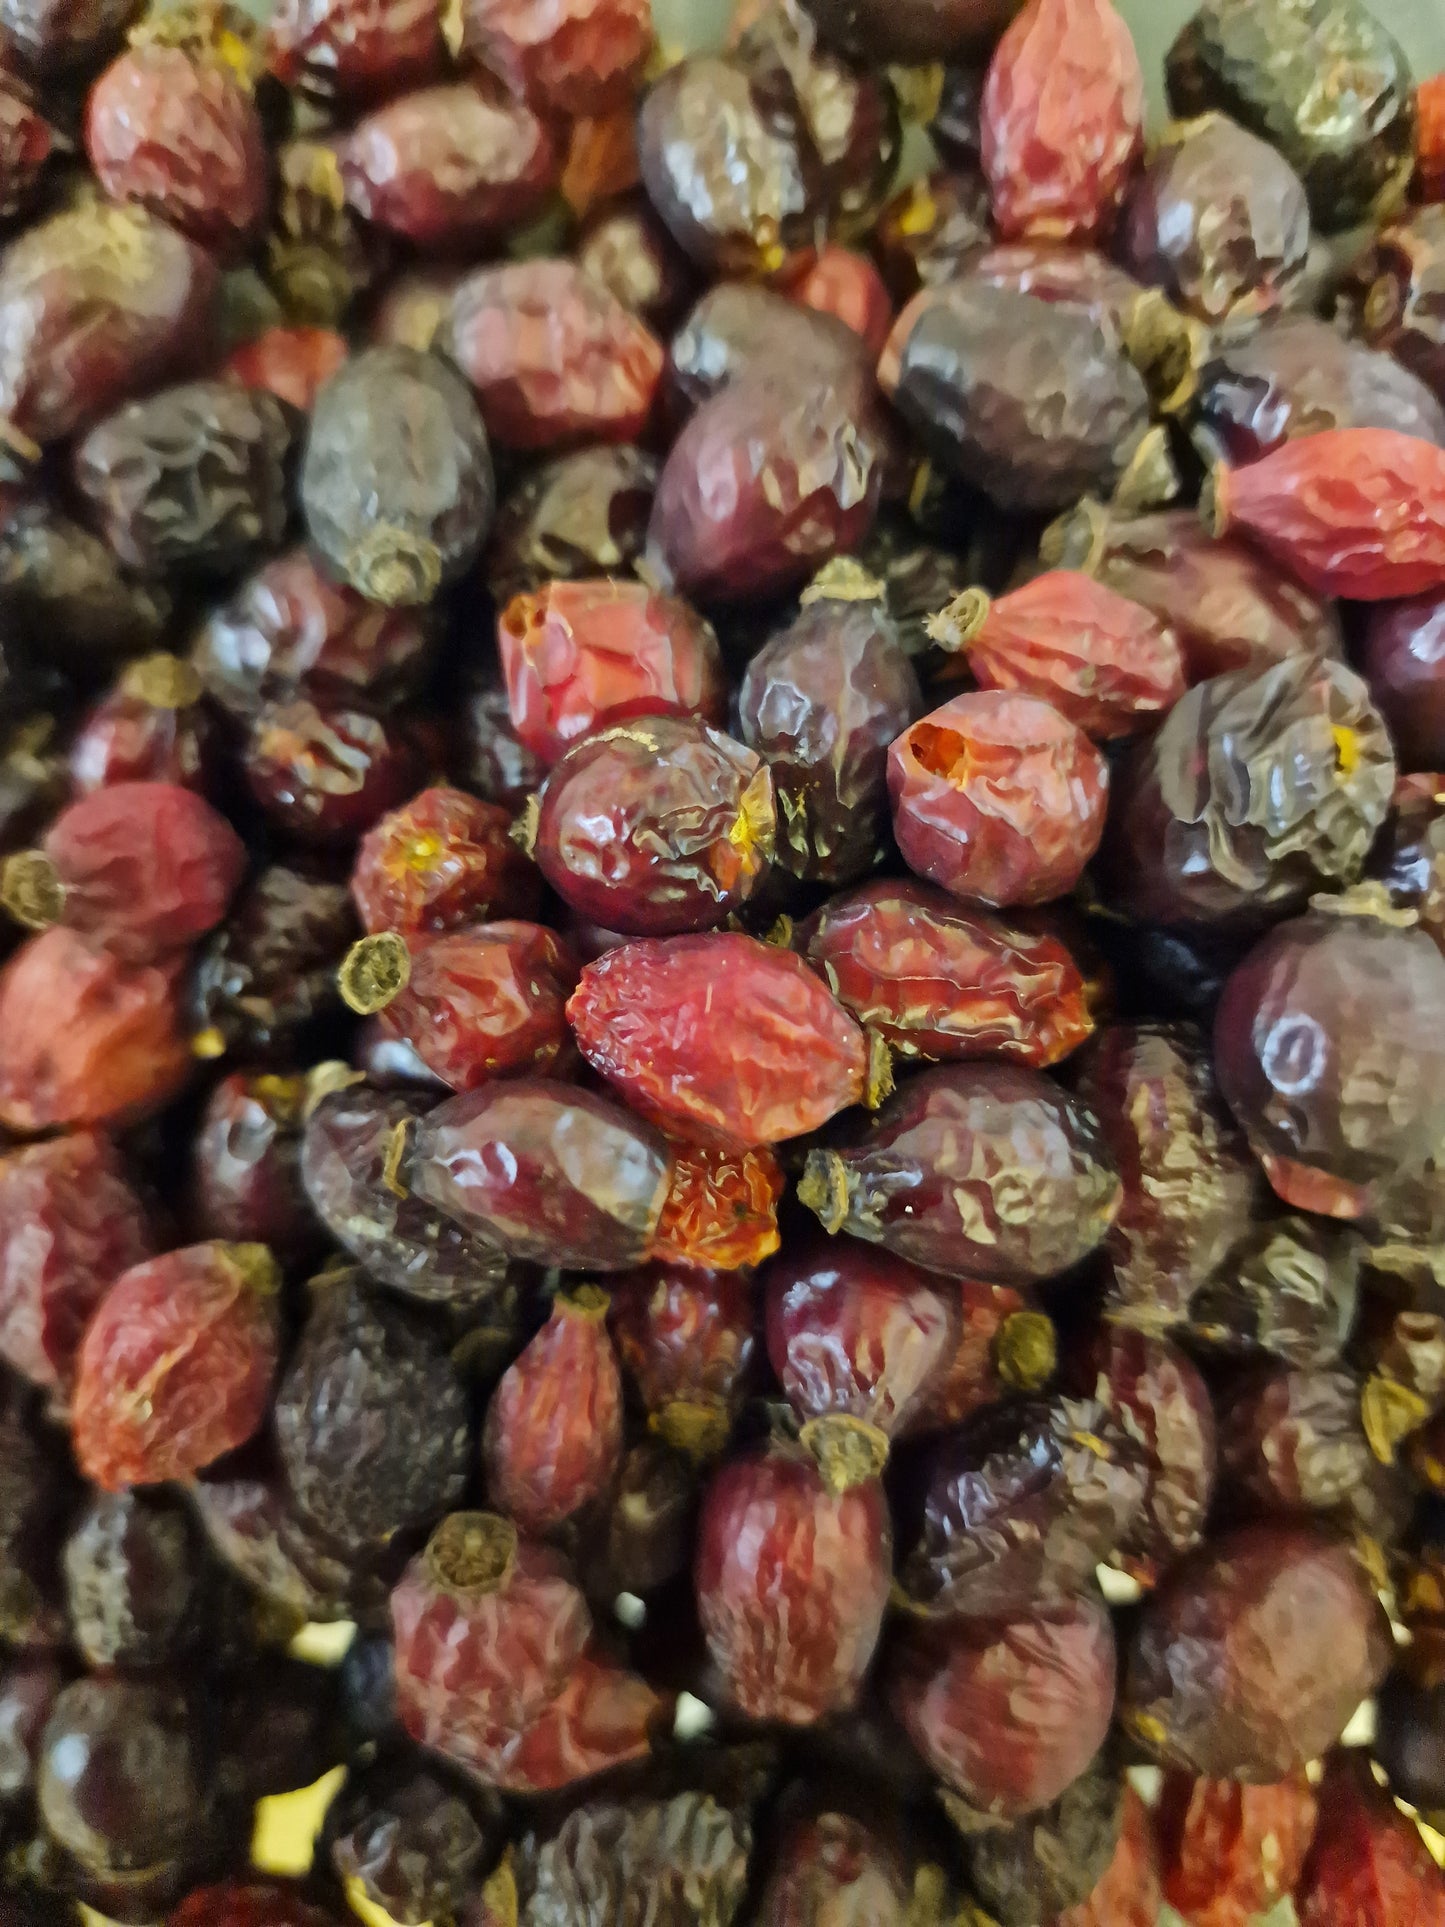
[723, 1002]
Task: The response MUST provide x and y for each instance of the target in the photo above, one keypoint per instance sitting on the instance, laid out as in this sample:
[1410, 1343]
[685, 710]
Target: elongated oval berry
[982, 1170]
[792, 1577]
[1368, 1861]
[720, 1035]
[686, 1342]
[545, 1170]
[997, 797]
[1061, 120]
[442, 861]
[743, 328]
[1100, 659]
[935, 980]
[721, 1211]
[553, 1434]
[1355, 512]
[176, 1366]
[656, 826]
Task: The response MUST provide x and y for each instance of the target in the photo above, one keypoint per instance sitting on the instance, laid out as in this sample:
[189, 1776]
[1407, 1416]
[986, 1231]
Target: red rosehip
[442, 860]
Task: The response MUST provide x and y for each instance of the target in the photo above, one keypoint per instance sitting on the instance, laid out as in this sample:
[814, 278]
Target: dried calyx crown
[472, 1552]
[374, 971]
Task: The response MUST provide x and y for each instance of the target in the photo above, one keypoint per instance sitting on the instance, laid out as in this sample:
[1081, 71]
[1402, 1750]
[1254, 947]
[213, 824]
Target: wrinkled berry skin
[1257, 790]
[131, 1580]
[1293, 1441]
[151, 728]
[1252, 1655]
[69, 1225]
[338, 49]
[553, 1434]
[1128, 1892]
[271, 968]
[290, 363]
[992, 1354]
[448, 167]
[831, 1867]
[578, 655]
[720, 1035]
[60, 586]
[1039, 1866]
[363, 1369]
[1402, 658]
[656, 826]
[1008, 1713]
[396, 485]
[442, 861]
[545, 1170]
[411, 1839]
[932, 231]
[820, 702]
[183, 138]
[937, 981]
[323, 773]
[1219, 220]
[721, 1211]
[1401, 310]
[574, 516]
[626, 249]
[1368, 1862]
[987, 1171]
[96, 305]
[176, 1366]
[1230, 1851]
[83, 1039]
[1290, 1288]
[763, 486]
[400, 1240]
[847, 286]
[247, 1178]
[52, 40]
[1062, 120]
[684, 1336]
[581, 59]
[485, 1001]
[26, 144]
[252, 1903]
[1268, 66]
[554, 358]
[1328, 1044]
[193, 478]
[743, 328]
[998, 798]
[601, 1717]
[1028, 400]
[792, 1579]
[254, 1529]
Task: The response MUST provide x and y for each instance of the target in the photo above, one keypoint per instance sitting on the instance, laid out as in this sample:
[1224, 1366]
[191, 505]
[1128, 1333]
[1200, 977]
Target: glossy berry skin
[271, 969]
[292, 363]
[938, 981]
[324, 773]
[132, 1581]
[792, 1578]
[1290, 1289]
[847, 286]
[246, 1179]
[1293, 1441]
[602, 1717]
[487, 1627]
[626, 248]
[144, 868]
[1101, 660]
[820, 702]
[488, 1000]
[547, 1171]
[928, 30]
[1368, 1863]
[26, 144]
[553, 1435]
[1400, 310]
[290, 629]
[341, 49]
[942, 1178]
[744, 328]
[554, 358]
[721, 1210]
[999, 1346]
[998, 798]
[181, 136]
[578, 655]
[70, 1223]
[656, 826]
[1038, 1866]
[96, 305]
[60, 582]
[1301, 1019]
[441, 862]
[447, 167]
[576, 516]
[396, 484]
[410, 1838]
[1253, 1654]
[686, 1340]
[176, 1366]
[84, 1039]
[719, 1035]
[1008, 1712]
[581, 59]
[1230, 1851]
[28, 1690]
[1402, 658]
[151, 728]
[1355, 512]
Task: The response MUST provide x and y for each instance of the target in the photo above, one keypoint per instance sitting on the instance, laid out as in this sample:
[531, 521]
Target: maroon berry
[247, 1177]
[151, 728]
[579, 59]
[326, 773]
[443, 860]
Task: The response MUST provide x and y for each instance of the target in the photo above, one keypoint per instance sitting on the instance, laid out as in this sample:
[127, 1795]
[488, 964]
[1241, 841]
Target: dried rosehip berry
[142, 868]
[553, 1434]
[983, 1170]
[545, 1170]
[1008, 1713]
[400, 1240]
[448, 167]
[603, 1717]
[1294, 1440]
[271, 969]
[1356, 512]
[932, 231]
[553, 356]
[180, 135]
[69, 1224]
[1051, 1859]
[63, 593]
[1407, 1739]
[934, 980]
[1100, 659]
[1230, 1851]
[1061, 120]
[721, 1035]
[290, 629]
[1030, 401]
[578, 655]
[847, 286]
[1409, 853]
[26, 144]
[572, 517]
[38, 1493]
[579, 60]
[253, 1529]
[28, 1691]
[292, 363]
[742, 328]
[686, 1342]
[324, 772]
[83, 1038]
[998, 1348]
[131, 1580]
[656, 826]
[487, 1627]
[625, 248]
[998, 798]
[1328, 1043]
[353, 49]
[1402, 658]
[396, 485]
[1430, 138]
[1253, 1654]
[253, 1903]
[407, 1834]
[151, 728]
[1290, 1288]
[1368, 1862]
[721, 1210]
[792, 1570]
[1128, 1893]
[644, 1539]
[601, 161]
[364, 1368]
[95, 305]
[830, 1866]
[442, 861]
[247, 1166]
